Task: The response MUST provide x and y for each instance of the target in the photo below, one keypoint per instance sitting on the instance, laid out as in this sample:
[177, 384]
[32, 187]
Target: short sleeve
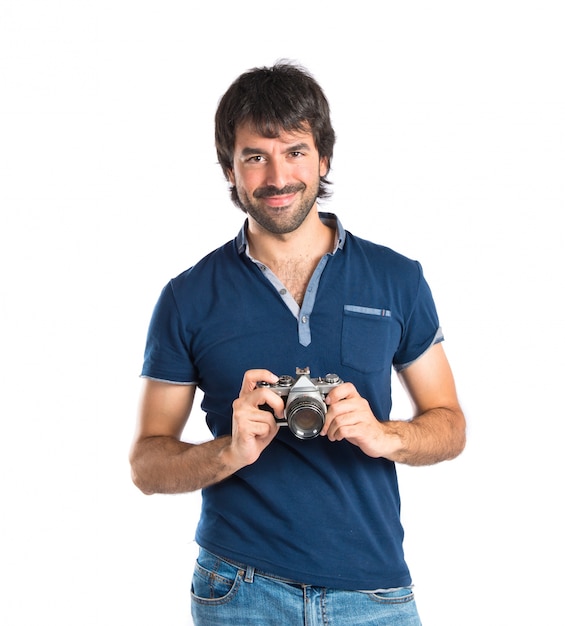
[167, 354]
[421, 330]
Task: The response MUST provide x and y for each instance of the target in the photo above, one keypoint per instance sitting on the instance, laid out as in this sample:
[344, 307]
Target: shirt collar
[329, 219]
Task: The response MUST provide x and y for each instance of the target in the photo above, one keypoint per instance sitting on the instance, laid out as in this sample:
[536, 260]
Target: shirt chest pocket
[367, 338]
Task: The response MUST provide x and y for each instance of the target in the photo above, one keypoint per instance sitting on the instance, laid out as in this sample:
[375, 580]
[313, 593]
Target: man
[293, 529]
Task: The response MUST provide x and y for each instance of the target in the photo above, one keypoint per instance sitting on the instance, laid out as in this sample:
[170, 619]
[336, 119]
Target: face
[277, 180]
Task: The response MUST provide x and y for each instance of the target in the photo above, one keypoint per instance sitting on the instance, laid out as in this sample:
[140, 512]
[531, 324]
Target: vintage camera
[305, 409]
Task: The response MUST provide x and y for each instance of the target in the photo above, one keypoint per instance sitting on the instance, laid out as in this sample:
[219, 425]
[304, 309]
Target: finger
[259, 398]
[341, 392]
[269, 401]
[338, 427]
[252, 377]
[256, 426]
[342, 412]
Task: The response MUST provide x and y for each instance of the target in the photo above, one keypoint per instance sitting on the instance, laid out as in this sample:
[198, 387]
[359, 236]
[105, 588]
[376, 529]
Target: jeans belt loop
[249, 574]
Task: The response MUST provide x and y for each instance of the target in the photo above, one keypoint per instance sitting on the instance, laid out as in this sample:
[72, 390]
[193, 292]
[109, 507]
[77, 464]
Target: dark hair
[284, 97]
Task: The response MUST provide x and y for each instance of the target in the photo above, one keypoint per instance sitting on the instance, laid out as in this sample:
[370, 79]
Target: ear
[230, 176]
[324, 166]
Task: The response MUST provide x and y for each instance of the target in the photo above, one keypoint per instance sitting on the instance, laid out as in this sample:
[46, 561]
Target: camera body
[305, 409]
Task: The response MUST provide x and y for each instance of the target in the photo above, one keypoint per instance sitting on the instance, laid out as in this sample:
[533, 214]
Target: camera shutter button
[286, 380]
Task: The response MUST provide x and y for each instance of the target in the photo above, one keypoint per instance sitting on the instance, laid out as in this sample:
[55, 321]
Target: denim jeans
[225, 594]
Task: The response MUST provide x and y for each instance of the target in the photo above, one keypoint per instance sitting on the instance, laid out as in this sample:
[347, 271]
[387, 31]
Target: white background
[451, 135]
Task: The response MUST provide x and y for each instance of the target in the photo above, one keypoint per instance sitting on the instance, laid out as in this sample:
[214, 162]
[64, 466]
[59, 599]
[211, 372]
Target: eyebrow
[292, 148]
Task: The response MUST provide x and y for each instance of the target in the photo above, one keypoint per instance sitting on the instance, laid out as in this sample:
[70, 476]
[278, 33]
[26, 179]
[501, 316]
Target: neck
[293, 257]
[311, 240]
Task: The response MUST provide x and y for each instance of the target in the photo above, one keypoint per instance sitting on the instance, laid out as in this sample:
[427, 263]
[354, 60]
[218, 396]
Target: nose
[277, 175]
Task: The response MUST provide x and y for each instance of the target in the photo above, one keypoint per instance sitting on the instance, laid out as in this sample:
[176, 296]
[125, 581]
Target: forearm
[167, 465]
[434, 436]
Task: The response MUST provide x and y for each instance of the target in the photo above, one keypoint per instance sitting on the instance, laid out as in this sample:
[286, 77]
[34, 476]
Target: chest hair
[295, 275]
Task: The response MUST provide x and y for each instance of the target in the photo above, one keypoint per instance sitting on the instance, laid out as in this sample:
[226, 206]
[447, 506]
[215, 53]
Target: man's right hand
[253, 428]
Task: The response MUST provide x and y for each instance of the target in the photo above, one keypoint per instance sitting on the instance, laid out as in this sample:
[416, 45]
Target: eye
[295, 154]
[256, 158]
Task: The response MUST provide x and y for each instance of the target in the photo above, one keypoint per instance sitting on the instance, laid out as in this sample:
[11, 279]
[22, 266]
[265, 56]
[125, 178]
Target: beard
[284, 219]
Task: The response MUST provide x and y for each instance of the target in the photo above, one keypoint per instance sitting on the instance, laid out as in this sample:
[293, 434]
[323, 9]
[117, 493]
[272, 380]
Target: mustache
[271, 190]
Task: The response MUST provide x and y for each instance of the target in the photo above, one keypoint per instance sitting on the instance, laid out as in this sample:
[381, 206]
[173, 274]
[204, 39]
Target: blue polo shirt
[314, 511]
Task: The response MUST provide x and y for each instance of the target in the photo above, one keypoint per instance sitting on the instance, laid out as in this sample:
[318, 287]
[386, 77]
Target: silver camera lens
[305, 416]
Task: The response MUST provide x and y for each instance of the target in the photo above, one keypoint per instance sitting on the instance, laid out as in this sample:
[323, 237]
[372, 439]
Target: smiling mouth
[278, 198]
[279, 201]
